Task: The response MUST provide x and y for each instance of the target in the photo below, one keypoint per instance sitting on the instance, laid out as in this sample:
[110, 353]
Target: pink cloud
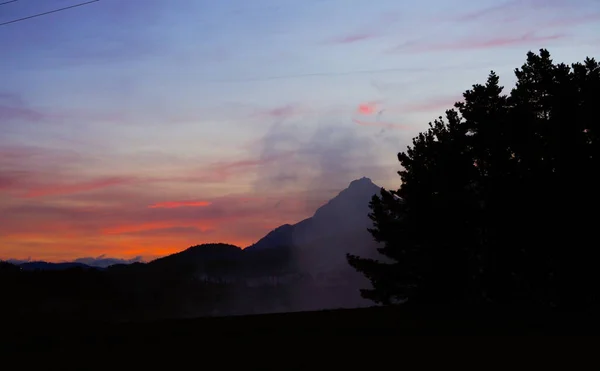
[368, 108]
[175, 204]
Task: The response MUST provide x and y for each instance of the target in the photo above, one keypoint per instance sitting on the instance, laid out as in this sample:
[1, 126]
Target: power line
[8, 2]
[52, 11]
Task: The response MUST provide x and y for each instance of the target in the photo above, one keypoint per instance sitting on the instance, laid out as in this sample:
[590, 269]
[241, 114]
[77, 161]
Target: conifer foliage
[498, 201]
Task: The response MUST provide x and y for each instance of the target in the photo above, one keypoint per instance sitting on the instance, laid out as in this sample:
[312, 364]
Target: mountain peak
[361, 182]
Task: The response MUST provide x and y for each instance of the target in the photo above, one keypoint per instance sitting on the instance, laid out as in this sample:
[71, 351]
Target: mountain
[345, 213]
[336, 228]
[316, 247]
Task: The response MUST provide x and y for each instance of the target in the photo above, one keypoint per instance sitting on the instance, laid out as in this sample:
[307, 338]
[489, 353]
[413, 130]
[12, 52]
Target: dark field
[174, 335]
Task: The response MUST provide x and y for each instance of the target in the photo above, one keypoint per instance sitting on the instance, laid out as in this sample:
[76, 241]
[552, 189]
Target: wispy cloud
[353, 38]
[221, 171]
[381, 124]
[510, 9]
[479, 43]
[135, 228]
[175, 204]
[282, 112]
[501, 8]
[572, 21]
[65, 189]
[377, 27]
[9, 113]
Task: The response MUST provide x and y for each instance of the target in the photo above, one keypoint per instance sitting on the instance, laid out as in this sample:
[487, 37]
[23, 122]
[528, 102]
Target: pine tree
[496, 201]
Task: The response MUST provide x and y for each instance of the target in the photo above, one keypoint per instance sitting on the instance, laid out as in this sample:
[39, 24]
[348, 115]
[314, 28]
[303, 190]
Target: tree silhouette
[497, 200]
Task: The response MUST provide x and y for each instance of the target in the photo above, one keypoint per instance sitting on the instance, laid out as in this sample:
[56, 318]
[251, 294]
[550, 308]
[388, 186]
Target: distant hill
[41, 265]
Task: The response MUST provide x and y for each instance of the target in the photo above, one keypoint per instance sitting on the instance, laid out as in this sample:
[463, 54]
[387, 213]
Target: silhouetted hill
[201, 254]
[41, 265]
[280, 236]
[342, 219]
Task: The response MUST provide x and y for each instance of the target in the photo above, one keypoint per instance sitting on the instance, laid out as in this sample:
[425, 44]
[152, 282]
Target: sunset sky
[137, 128]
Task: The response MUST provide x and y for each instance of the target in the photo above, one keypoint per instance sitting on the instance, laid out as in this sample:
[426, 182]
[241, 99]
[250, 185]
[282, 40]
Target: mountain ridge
[348, 209]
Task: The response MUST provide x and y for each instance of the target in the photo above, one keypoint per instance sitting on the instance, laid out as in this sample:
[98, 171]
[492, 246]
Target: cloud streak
[480, 43]
[514, 8]
[353, 38]
[572, 21]
[176, 204]
[85, 186]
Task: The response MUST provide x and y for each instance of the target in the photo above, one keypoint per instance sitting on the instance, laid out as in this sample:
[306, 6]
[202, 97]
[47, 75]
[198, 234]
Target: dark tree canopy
[498, 201]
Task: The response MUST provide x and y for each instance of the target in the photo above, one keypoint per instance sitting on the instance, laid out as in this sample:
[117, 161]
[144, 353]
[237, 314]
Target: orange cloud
[175, 204]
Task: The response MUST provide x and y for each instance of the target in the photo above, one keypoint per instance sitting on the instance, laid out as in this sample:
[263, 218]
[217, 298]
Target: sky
[133, 129]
